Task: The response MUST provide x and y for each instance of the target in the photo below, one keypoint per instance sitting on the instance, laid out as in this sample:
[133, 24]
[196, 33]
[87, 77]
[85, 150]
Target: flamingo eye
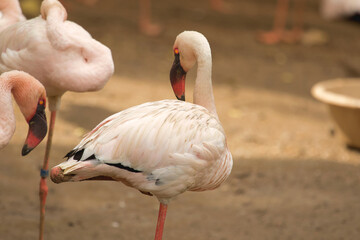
[41, 102]
[176, 51]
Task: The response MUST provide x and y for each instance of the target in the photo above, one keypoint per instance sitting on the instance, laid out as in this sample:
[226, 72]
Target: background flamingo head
[30, 96]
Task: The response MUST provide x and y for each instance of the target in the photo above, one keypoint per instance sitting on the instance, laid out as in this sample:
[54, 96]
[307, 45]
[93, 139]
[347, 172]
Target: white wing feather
[156, 134]
[177, 142]
[163, 148]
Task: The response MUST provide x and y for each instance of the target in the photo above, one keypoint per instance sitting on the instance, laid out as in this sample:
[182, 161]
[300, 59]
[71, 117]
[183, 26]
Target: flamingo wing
[162, 141]
[17, 46]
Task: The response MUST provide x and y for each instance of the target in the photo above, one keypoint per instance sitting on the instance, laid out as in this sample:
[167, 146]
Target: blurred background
[293, 176]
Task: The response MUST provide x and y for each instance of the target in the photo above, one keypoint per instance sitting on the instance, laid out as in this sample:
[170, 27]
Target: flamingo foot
[275, 37]
[293, 36]
[150, 29]
[219, 6]
[270, 38]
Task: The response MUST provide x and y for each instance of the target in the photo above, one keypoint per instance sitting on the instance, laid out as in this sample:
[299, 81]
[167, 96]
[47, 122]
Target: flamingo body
[59, 53]
[62, 56]
[163, 148]
[10, 13]
[332, 9]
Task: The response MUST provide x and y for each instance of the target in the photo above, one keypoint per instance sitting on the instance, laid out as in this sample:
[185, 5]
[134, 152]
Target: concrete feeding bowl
[343, 99]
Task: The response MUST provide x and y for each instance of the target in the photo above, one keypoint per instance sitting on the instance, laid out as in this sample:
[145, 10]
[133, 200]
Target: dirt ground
[293, 176]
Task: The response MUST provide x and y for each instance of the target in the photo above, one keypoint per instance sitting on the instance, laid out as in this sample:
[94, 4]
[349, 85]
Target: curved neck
[203, 91]
[7, 118]
[55, 15]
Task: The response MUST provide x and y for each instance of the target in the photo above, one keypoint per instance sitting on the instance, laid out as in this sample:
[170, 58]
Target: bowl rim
[321, 93]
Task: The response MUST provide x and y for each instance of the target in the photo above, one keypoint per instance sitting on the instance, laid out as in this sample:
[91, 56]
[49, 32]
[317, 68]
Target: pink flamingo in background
[330, 9]
[333, 9]
[278, 33]
[10, 13]
[151, 29]
[30, 95]
[62, 56]
[146, 25]
[161, 148]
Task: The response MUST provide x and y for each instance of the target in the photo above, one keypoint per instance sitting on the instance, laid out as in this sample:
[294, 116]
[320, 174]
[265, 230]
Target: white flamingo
[30, 95]
[333, 9]
[161, 148]
[330, 9]
[10, 13]
[62, 56]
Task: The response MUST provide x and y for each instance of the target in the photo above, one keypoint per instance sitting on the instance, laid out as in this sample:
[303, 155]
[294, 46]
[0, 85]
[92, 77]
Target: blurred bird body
[62, 56]
[59, 53]
[10, 13]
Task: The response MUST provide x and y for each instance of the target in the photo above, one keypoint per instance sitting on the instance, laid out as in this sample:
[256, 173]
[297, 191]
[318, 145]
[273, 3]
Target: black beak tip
[26, 150]
[182, 98]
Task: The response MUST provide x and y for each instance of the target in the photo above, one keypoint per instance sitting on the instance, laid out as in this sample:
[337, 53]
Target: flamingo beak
[177, 78]
[37, 130]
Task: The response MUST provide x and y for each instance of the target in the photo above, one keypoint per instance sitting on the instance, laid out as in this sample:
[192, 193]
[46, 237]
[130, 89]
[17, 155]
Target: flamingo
[30, 95]
[62, 56]
[146, 26]
[161, 148]
[330, 9]
[151, 29]
[333, 9]
[278, 33]
[10, 13]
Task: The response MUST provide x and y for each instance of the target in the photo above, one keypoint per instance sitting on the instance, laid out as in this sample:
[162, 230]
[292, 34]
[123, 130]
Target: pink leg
[274, 36]
[161, 221]
[218, 5]
[295, 34]
[44, 173]
[145, 24]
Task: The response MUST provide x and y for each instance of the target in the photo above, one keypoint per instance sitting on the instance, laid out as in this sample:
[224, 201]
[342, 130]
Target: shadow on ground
[262, 199]
[84, 116]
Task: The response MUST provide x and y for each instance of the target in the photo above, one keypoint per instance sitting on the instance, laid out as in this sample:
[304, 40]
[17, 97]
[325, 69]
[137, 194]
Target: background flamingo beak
[177, 78]
[37, 130]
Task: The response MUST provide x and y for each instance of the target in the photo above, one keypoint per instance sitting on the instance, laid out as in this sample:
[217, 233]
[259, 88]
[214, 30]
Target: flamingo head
[188, 46]
[30, 96]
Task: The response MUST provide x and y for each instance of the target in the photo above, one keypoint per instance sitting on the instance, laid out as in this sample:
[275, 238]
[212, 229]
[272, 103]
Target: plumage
[59, 53]
[62, 56]
[10, 13]
[333, 9]
[154, 138]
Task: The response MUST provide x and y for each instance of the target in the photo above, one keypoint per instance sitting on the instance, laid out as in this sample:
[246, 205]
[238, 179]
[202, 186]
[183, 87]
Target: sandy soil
[293, 176]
